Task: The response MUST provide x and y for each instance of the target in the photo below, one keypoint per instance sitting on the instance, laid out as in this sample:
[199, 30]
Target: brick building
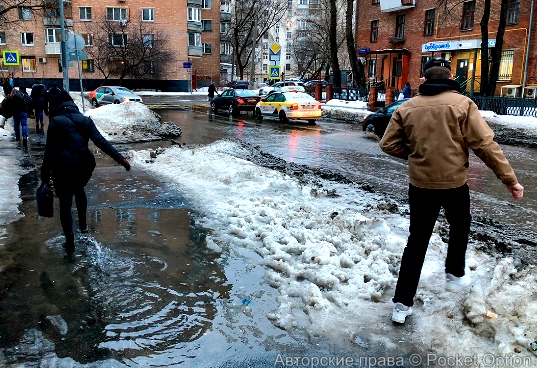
[395, 38]
[190, 30]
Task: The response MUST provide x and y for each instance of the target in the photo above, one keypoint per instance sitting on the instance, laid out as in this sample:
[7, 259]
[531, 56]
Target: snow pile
[10, 172]
[333, 254]
[131, 122]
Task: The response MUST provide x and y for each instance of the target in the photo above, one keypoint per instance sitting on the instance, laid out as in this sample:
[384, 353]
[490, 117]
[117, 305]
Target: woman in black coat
[70, 163]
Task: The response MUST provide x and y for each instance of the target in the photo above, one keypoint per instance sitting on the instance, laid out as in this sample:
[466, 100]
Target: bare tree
[496, 55]
[9, 7]
[263, 14]
[485, 47]
[332, 36]
[357, 68]
[128, 50]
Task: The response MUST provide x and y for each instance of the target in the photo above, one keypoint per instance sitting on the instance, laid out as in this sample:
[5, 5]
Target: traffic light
[282, 77]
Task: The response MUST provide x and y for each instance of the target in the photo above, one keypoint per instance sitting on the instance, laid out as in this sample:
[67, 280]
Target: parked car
[287, 86]
[289, 105]
[112, 95]
[312, 83]
[239, 84]
[235, 100]
[378, 121]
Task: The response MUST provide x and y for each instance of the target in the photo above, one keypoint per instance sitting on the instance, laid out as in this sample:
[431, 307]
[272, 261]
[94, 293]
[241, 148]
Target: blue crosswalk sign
[11, 57]
[274, 72]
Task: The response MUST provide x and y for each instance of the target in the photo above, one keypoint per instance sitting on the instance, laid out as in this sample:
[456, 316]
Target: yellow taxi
[289, 106]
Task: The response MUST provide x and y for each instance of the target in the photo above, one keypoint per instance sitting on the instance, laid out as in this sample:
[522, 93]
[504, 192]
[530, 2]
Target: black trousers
[425, 206]
[65, 195]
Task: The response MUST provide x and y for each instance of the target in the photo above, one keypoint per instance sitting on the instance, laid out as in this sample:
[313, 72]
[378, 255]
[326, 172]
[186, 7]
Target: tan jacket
[434, 133]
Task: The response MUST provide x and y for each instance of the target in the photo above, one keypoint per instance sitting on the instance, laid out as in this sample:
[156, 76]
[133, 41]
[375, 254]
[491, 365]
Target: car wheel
[116, 102]
[213, 106]
[232, 110]
[94, 103]
[311, 121]
[370, 128]
[283, 117]
[257, 114]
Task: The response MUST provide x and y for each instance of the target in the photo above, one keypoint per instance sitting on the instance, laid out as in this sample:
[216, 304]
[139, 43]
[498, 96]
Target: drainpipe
[528, 46]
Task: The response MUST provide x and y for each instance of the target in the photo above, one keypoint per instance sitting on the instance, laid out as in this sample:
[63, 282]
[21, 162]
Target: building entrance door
[462, 71]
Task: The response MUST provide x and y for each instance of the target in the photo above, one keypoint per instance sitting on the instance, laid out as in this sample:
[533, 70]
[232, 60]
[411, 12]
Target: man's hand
[126, 164]
[517, 191]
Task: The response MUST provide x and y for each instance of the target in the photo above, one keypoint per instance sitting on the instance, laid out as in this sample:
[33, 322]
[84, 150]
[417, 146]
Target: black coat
[38, 96]
[67, 154]
[212, 90]
[16, 102]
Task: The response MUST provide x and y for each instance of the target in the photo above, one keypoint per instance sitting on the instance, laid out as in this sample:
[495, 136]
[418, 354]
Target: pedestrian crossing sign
[274, 72]
[11, 57]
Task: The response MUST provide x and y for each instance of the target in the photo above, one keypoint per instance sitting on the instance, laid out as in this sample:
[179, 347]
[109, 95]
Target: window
[287, 67]
[372, 69]
[265, 45]
[148, 40]
[25, 13]
[512, 11]
[225, 27]
[288, 46]
[27, 39]
[287, 56]
[148, 15]
[88, 38]
[506, 65]
[88, 66]
[207, 48]
[424, 60]
[85, 13]
[400, 26]
[194, 14]
[265, 67]
[374, 31]
[194, 39]
[225, 49]
[115, 66]
[265, 36]
[430, 15]
[149, 67]
[207, 25]
[117, 39]
[289, 4]
[375, 2]
[28, 63]
[468, 9]
[2, 38]
[225, 6]
[53, 35]
[277, 39]
[303, 2]
[277, 29]
[116, 14]
[289, 35]
[206, 4]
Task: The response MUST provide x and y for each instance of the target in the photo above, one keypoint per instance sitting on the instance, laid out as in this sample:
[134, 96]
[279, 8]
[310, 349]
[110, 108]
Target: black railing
[507, 105]
[351, 94]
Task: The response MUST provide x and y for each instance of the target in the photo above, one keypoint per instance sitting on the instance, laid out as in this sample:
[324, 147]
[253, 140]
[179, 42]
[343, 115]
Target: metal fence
[351, 94]
[507, 105]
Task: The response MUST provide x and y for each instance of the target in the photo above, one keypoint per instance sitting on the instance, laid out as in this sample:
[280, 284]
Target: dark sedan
[235, 100]
[378, 121]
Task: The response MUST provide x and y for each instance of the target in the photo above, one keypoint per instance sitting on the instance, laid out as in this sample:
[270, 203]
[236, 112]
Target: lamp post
[63, 50]
[254, 44]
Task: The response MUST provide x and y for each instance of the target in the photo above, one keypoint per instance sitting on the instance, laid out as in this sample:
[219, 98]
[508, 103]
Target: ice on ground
[334, 259]
[131, 122]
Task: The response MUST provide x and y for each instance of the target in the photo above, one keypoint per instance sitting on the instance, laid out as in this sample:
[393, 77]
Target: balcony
[397, 40]
[52, 48]
[396, 5]
[56, 22]
[225, 58]
[195, 51]
[225, 16]
[194, 26]
[195, 3]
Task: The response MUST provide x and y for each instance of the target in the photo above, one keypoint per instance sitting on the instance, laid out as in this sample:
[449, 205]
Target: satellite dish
[75, 42]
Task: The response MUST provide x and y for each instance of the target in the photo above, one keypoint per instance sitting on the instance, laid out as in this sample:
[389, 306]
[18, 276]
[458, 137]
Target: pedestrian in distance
[69, 162]
[434, 131]
[18, 104]
[407, 90]
[52, 100]
[38, 96]
[212, 91]
[7, 88]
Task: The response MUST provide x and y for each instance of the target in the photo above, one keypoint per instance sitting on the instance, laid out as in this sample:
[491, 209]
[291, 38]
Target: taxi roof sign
[11, 57]
[275, 48]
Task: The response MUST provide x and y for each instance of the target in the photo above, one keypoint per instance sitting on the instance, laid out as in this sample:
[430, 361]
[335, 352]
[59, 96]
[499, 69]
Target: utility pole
[63, 50]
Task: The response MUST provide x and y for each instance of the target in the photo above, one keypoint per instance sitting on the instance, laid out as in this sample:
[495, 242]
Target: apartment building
[188, 29]
[395, 38]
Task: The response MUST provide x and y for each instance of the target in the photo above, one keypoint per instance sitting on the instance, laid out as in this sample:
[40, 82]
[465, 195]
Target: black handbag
[45, 199]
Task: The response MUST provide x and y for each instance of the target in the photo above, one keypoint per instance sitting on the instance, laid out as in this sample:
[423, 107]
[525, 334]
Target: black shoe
[37, 129]
[25, 142]
[69, 242]
[17, 139]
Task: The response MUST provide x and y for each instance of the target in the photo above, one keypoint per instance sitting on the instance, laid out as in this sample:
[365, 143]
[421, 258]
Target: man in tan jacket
[434, 131]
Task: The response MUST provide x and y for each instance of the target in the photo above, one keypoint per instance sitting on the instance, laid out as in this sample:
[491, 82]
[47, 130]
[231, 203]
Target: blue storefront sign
[455, 45]
[437, 46]
[363, 51]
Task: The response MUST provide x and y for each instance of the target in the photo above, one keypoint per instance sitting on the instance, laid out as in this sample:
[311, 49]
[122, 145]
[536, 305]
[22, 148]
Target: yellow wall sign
[11, 57]
[274, 72]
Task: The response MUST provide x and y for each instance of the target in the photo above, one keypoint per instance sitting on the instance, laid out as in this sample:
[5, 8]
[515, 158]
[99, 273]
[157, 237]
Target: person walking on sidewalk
[212, 91]
[70, 163]
[52, 100]
[19, 106]
[433, 131]
[38, 96]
